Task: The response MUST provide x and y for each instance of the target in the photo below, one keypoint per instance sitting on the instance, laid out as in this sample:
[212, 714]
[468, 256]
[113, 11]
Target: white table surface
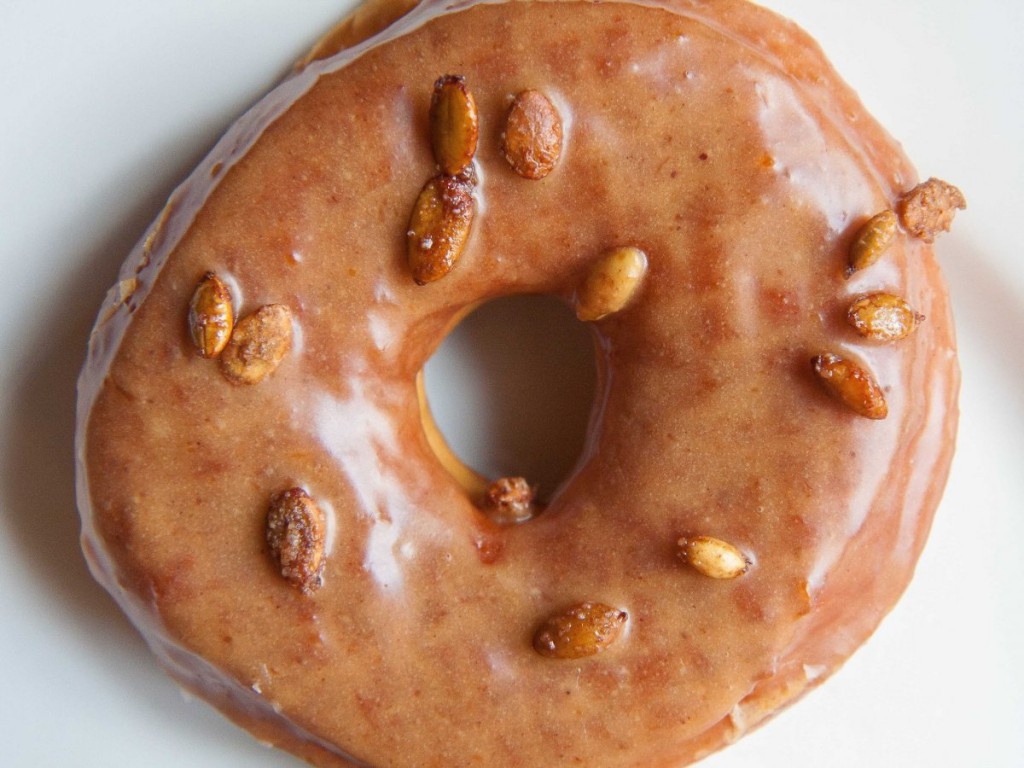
[107, 104]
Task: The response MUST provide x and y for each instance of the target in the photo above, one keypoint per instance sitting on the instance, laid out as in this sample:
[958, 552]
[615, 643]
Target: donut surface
[711, 136]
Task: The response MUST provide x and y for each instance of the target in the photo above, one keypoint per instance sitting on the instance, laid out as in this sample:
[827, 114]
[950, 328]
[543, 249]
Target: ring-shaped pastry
[261, 495]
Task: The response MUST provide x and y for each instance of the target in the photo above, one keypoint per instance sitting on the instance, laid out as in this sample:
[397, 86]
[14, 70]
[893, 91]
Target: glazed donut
[262, 489]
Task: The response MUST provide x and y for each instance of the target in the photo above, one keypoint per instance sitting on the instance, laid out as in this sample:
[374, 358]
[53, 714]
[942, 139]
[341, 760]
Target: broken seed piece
[872, 240]
[883, 317]
[611, 283]
[258, 345]
[454, 124]
[929, 208]
[211, 317]
[296, 532]
[509, 501]
[439, 227]
[851, 384]
[713, 557]
[532, 140]
[582, 630]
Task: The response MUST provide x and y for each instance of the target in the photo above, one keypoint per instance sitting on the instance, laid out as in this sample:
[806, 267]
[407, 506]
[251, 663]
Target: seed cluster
[444, 209]
[443, 213]
[249, 350]
[884, 317]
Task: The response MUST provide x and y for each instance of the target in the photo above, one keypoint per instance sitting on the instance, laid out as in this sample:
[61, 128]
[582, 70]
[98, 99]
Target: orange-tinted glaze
[714, 137]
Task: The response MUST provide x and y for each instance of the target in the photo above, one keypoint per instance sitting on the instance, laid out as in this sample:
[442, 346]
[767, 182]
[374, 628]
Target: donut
[264, 493]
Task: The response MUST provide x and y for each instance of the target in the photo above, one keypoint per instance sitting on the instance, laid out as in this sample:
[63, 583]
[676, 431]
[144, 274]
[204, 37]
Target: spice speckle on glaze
[744, 184]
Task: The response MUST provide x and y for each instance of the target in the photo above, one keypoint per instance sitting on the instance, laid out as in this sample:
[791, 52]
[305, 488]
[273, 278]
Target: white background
[107, 104]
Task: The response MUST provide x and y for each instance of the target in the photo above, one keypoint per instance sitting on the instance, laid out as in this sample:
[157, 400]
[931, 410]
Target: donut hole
[511, 389]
